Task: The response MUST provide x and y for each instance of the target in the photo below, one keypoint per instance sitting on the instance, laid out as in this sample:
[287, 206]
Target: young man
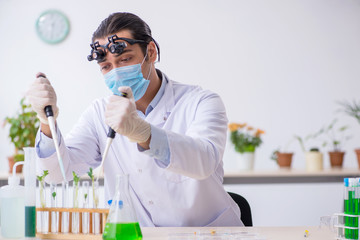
[170, 136]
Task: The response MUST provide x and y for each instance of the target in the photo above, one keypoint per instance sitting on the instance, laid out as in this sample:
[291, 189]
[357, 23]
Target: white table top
[268, 233]
[227, 233]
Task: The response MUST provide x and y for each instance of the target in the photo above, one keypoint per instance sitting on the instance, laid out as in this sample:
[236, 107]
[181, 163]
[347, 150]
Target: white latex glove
[40, 95]
[121, 115]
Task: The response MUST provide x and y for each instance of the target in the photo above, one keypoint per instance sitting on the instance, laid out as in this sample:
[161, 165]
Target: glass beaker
[122, 222]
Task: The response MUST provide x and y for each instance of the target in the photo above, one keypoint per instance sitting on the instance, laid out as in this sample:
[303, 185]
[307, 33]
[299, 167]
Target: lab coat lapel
[162, 110]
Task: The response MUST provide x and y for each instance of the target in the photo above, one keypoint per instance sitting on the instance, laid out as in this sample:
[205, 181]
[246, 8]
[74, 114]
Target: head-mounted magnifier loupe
[115, 45]
[97, 52]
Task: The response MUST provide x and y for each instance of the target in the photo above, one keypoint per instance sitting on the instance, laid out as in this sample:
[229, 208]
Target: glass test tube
[356, 207]
[54, 215]
[351, 206]
[85, 216]
[65, 204]
[75, 215]
[44, 214]
[96, 216]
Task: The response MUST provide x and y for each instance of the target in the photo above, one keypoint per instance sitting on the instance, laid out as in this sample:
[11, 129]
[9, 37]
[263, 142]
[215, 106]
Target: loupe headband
[114, 46]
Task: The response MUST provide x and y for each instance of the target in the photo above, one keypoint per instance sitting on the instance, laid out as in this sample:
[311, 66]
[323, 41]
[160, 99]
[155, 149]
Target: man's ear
[152, 53]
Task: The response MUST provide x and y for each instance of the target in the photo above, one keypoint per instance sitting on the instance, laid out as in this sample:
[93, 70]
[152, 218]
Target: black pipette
[110, 136]
[50, 116]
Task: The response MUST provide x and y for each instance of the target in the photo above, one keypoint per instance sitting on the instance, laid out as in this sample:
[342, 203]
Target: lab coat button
[165, 118]
[151, 202]
[140, 170]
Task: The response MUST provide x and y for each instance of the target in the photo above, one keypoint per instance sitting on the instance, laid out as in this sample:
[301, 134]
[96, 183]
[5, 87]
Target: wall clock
[52, 26]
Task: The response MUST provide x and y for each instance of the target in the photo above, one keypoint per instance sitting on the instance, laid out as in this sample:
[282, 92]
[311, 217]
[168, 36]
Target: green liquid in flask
[122, 231]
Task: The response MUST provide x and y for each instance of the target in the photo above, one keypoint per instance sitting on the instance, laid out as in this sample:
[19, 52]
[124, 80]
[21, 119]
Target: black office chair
[244, 209]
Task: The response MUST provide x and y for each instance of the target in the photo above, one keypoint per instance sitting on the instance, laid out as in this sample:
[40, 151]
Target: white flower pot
[314, 161]
[245, 161]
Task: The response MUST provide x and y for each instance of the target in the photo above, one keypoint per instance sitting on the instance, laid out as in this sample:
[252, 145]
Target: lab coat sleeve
[198, 152]
[79, 151]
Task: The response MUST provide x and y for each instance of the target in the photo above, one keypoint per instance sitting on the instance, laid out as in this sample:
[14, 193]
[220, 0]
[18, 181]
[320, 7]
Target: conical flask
[122, 222]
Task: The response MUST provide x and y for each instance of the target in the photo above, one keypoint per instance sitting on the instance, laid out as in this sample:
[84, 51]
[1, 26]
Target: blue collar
[157, 97]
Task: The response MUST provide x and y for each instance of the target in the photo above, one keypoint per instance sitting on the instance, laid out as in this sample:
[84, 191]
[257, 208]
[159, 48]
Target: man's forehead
[120, 34]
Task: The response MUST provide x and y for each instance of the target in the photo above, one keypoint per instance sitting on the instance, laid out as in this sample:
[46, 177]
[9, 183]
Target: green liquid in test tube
[356, 206]
[351, 206]
[346, 205]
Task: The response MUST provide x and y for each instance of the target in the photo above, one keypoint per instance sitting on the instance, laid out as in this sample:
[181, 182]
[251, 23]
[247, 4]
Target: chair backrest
[245, 209]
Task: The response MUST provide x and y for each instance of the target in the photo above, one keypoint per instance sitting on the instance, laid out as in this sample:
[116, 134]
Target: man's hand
[40, 95]
[121, 115]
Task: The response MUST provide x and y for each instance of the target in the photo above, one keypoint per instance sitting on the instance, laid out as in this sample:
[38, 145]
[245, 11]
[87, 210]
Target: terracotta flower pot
[284, 159]
[336, 159]
[357, 151]
[11, 165]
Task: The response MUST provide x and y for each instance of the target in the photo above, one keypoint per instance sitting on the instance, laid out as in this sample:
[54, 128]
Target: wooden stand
[59, 235]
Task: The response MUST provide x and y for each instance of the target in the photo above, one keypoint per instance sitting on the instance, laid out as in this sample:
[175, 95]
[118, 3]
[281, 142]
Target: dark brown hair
[122, 20]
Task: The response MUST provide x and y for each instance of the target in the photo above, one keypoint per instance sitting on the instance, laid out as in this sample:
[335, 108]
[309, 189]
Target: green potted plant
[353, 110]
[336, 137]
[313, 156]
[245, 140]
[282, 156]
[22, 132]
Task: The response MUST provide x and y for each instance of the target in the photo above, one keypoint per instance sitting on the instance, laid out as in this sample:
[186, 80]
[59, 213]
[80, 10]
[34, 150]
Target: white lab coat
[187, 192]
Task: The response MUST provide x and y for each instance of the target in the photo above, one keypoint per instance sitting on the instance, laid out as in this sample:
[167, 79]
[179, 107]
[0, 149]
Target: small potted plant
[23, 128]
[283, 157]
[245, 140]
[313, 157]
[353, 110]
[337, 137]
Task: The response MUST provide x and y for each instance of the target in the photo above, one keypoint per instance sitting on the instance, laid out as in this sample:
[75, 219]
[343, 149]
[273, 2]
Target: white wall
[279, 65]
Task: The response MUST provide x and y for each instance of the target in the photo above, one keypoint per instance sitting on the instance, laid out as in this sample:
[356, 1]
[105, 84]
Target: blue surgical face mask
[130, 76]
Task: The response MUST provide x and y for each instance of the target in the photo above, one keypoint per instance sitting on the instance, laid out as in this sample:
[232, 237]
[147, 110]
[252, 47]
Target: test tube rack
[103, 213]
[340, 227]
